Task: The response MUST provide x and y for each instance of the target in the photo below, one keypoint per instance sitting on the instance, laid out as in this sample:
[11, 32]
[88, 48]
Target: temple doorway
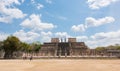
[63, 49]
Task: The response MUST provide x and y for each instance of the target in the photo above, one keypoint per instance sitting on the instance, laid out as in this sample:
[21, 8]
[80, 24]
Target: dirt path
[60, 65]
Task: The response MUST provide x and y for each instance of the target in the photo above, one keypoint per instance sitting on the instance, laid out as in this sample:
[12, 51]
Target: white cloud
[32, 36]
[97, 4]
[62, 34]
[3, 36]
[78, 28]
[104, 39]
[5, 19]
[49, 1]
[92, 22]
[82, 38]
[8, 11]
[27, 36]
[101, 39]
[46, 33]
[109, 35]
[46, 36]
[34, 22]
[37, 5]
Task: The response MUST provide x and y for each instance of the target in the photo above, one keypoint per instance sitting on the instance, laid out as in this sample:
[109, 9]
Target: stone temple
[63, 47]
[70, 48]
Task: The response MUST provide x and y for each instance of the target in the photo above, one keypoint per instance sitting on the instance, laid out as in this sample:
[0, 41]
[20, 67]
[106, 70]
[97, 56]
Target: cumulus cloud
[37, 5]
[37, 29]
[62, 35]
[78, 28]
[26, 36]
[97, 4]
[34, 22]
[92, 22]
[101, 39]
[46, 33]
[109, 35]
[3, 36]
[8, 10]
[104, 39]
[31, 36]
[46, 36]
[82, 38]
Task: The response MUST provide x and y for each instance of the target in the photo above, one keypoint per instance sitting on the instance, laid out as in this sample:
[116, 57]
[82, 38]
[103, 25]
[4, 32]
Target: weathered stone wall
[71, 48]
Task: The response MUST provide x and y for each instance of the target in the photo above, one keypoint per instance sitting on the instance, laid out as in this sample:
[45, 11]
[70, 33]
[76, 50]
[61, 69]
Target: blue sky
[96, 22]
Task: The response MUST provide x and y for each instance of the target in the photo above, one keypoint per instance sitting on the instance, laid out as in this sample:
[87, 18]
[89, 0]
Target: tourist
[31, 58]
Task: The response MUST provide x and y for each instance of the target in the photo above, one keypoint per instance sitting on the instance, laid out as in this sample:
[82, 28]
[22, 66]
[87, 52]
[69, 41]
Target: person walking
[31, 58]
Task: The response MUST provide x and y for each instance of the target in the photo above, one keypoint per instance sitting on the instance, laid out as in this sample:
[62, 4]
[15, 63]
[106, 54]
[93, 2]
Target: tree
[117, 47]
[35, 47]
[100, 49]
[110, 47]
[10, 45]
[114, 47]
[25, 47]
[1, 45]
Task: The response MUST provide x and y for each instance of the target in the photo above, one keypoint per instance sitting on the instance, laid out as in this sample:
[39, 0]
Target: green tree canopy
[114, 47]
[36, 46]
[25, 47]
[1, 45]
[10, 45]
[100, 48]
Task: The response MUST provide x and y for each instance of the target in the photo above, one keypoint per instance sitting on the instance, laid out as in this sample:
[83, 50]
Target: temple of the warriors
[63, 47]
[70, 47]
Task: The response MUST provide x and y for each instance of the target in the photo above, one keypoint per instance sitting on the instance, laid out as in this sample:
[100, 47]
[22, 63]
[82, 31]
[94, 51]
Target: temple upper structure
[63, 47]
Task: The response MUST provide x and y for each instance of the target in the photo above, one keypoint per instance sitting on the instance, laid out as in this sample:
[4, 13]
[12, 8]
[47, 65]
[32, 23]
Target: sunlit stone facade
[66, 47]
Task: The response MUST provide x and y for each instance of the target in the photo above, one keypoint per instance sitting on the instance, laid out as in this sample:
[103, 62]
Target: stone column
[55, 53]
[65, 54]
[60, 53]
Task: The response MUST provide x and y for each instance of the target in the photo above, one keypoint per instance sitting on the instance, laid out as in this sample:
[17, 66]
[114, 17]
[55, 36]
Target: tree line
[111, 47]
[13, 44]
